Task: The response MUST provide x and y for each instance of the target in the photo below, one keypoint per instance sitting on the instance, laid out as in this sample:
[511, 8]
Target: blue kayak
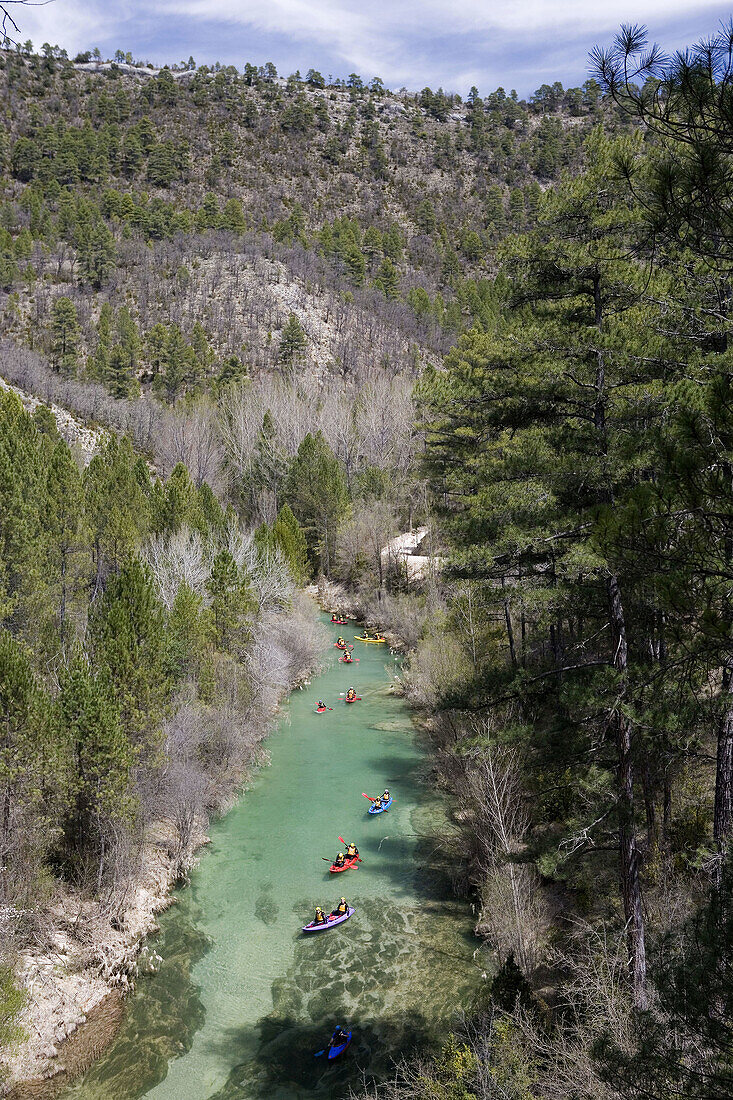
[333, 1052]
[382, 808]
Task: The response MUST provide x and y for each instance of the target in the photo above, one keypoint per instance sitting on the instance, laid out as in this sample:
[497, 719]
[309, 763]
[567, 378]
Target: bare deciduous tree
[513, 914]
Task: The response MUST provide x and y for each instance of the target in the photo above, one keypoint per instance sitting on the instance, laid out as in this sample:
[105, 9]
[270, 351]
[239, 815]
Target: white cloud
[405, 41]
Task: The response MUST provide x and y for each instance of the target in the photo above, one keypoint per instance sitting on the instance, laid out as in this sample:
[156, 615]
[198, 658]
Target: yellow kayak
[369, 641]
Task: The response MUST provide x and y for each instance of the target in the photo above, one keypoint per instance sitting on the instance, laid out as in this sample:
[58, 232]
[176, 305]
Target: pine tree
[232, 217]
[97, 255]
[33, 775]
[65, 334]
[539, 428]
[64, 523]
[117, 509]
[232, 604]
[387, 280]
[190, 634]
[291, 542]
[101, 759]
[293, 342]
[316, 491]
[127, 627]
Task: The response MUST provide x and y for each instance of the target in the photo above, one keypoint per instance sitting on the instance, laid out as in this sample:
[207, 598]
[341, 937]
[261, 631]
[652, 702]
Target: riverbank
[76, 984]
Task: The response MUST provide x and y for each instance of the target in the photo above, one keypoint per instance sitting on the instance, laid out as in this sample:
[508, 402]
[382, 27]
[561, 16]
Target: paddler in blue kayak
[341, 908]
[339, 1037]
[386, 796]
[377, 805]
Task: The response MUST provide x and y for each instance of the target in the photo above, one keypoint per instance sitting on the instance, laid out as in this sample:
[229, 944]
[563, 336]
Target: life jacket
[377, 803]
[352, 851]
[339, 861]
[342, 908]
[320, 917]
[351, 695]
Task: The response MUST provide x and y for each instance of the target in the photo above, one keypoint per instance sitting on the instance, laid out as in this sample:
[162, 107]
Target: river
[243, 999]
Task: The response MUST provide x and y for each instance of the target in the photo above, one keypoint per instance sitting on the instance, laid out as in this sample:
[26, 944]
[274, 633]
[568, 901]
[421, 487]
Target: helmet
[339, 855]
[344, 900]
[386, 790]
[318, 909]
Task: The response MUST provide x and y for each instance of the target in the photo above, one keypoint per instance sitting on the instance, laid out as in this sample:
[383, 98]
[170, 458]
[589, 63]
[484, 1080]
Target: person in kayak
[339, 1037]
[386, 796]
[351, 851]
[321, 705]
[341, 908]
[341, 643]
[339, 860]
[377, 804]
[320, 917]
[335, 618]
[347, 658]
[351, 694]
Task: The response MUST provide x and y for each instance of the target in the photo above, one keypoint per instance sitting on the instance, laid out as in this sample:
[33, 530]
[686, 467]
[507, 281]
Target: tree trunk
[510, 634]
[628, 851]
[723, 816]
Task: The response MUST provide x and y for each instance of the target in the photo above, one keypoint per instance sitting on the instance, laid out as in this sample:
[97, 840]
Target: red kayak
[345, 866]
[353, 661]
[356, 699]
[321, 710]
[346, 645]
[339, 622]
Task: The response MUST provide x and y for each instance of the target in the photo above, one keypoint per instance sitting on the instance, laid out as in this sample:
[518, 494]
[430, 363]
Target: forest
[324, 314]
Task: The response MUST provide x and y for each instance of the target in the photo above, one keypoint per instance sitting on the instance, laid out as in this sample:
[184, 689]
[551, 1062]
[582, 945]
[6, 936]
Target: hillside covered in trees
[321, 313]
[237, 222]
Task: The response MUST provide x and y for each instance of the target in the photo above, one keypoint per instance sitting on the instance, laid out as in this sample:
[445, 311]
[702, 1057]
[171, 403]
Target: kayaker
[339, 1037]
[339, 860]
[341, 908]
[351, 694]
[334, 618]
[347, 658]
[321, 705]
[320, 917]
[386, 796]
[351, 851]
[377, 804]
[341, 643]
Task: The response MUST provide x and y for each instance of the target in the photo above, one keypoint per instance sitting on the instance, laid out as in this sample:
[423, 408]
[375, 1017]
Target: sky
[452, 44]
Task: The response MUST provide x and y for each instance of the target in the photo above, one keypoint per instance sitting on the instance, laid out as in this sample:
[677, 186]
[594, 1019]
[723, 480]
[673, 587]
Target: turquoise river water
[243, 998]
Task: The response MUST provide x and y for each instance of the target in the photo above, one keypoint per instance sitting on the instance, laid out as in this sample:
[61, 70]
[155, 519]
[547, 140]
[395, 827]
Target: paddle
[367, 796]
[320, 1052]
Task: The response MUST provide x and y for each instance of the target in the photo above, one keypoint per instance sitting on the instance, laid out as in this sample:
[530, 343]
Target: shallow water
[243, 999]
